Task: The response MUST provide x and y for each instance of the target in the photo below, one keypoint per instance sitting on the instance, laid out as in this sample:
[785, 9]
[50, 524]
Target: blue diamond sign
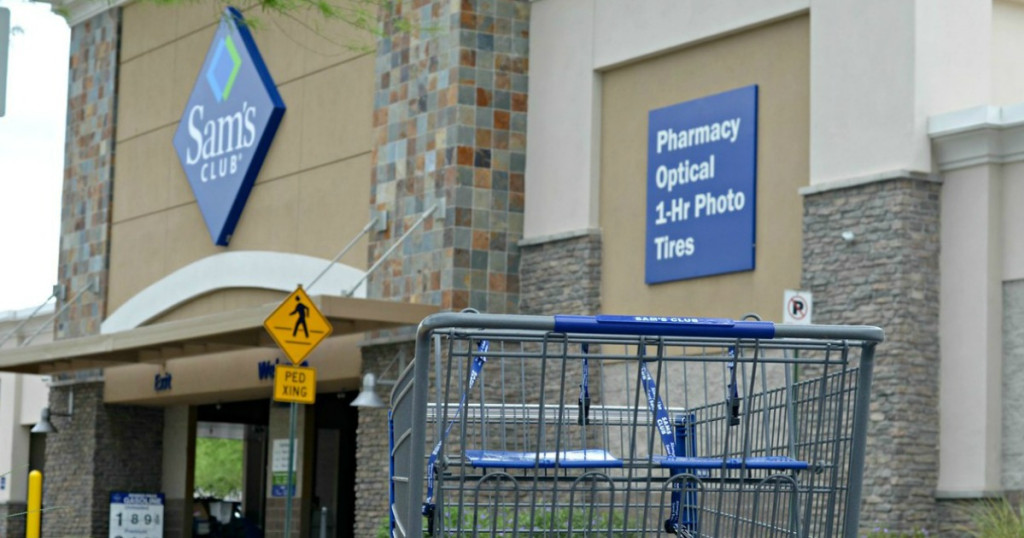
[228, 125]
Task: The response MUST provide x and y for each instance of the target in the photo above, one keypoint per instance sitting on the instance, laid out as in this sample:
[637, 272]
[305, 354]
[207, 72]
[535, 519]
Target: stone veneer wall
[561, 276]
[12, 526]
[450, 129]
[88, 172]
[888, 276]
[99, 449]
[1013, 379]
[372, 451]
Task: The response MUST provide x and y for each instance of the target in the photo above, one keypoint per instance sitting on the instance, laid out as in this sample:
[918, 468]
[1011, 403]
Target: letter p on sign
[796, 307]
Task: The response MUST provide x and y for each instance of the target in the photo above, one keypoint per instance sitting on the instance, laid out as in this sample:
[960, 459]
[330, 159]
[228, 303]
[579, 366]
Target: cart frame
[412, 485]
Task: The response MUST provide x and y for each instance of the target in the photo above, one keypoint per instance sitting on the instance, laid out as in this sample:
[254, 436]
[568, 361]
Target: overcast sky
[32, 154]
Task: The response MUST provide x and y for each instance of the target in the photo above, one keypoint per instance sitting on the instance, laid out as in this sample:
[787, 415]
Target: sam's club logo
[228, 125]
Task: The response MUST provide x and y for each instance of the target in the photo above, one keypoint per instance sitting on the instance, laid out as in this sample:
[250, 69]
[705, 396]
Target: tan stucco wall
[775, 57]
[221, 301]
[311, 196]
[337, 362]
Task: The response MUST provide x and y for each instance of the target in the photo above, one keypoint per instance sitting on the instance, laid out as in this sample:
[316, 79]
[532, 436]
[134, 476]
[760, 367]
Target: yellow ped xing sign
[294, 384]
[297, 326]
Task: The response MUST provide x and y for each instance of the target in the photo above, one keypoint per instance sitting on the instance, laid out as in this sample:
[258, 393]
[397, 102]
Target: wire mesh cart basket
[629, 426]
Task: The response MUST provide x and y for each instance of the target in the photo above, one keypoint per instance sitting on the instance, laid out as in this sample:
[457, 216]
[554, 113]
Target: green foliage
[546, 523]
[218, 467]
[996, 518]
[359, 14]
[384, 529]
[879, 532]
[543, 522]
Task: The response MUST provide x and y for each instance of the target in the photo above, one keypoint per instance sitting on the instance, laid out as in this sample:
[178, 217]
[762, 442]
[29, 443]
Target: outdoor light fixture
[367, 397]
[44, 425]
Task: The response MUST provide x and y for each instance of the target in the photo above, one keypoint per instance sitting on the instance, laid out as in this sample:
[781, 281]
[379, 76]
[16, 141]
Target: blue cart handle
[664, 326]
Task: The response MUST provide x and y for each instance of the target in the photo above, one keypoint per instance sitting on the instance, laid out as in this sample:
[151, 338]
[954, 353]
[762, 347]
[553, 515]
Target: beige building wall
[311, 194]
[978, 153]
[22, 397]
[776, 58]
[1007, 37]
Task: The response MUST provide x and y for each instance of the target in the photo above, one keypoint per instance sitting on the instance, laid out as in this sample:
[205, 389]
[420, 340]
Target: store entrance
[230, 469]
[334, 503]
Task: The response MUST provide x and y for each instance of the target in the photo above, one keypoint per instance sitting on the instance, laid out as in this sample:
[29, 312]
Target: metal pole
[26, 320]
[293, 413]
[343, 251]
[57, 313]
[861, 409]
[387, 253]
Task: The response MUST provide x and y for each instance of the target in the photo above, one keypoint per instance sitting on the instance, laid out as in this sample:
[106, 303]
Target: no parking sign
[796, 307]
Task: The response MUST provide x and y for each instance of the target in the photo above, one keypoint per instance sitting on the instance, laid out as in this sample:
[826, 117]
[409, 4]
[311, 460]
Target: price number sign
[136, 515]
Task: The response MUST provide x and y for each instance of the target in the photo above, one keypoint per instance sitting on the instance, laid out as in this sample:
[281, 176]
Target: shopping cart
[629, 426]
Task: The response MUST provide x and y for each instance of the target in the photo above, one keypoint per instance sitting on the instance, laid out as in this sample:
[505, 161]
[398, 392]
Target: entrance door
[334, 475]
[234, 437]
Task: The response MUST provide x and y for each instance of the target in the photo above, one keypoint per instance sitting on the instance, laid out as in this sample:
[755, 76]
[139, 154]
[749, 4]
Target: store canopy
[201, 335]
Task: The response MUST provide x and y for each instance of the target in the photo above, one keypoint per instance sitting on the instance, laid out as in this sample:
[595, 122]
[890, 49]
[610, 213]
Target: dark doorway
[334, 475]
[242, 428]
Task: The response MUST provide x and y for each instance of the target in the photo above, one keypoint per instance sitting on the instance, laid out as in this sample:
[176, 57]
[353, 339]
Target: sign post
[297, 326]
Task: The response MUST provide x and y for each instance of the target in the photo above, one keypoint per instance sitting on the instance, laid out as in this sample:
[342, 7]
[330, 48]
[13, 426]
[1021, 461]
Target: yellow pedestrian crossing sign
[294, 384]
[297, 326]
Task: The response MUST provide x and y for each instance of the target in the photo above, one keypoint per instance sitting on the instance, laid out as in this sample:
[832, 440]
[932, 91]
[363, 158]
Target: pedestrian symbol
[301, 310]
[297, 326]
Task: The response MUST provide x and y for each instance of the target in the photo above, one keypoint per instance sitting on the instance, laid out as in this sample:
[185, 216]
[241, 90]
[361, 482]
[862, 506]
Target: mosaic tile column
[88, 173]
[450, 127]
[450, 131]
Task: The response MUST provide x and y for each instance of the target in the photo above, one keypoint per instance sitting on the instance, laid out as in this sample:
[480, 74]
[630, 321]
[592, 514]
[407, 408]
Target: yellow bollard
[35, 504]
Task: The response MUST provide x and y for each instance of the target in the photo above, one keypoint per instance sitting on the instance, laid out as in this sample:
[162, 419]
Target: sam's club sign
[228, 125]
[702, 187]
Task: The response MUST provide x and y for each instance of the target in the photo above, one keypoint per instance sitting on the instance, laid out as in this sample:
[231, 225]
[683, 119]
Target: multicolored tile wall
[88, 173]
[450, 130]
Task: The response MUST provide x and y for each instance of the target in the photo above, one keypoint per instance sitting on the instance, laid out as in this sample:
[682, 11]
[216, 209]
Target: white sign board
[136, 515]
[5, 53]
[279, 468]
[796, 307]
[279, 456]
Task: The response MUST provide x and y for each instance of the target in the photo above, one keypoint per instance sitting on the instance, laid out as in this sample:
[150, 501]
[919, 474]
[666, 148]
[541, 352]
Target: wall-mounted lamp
[44, 425]
[368, 397]
[848, 236]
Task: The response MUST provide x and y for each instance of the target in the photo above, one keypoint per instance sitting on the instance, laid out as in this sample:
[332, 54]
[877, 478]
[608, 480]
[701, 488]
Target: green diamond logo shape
[223, 69]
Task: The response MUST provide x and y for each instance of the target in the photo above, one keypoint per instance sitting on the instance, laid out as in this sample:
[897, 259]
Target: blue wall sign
[702, 187]
[162, 382]
[228, 125]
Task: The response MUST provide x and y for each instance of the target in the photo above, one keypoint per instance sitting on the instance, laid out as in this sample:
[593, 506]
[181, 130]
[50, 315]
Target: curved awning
[201, 335]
